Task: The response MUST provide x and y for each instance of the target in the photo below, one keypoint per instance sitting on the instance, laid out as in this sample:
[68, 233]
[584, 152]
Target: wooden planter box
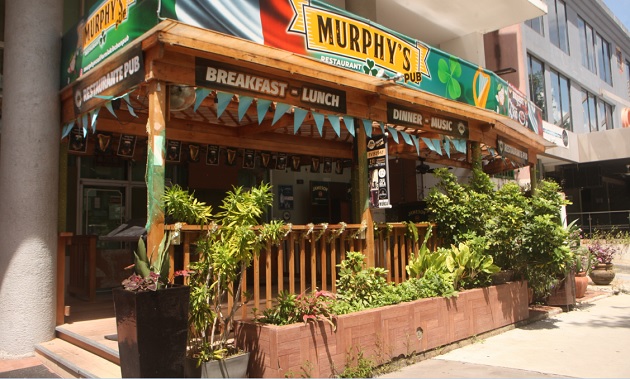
[382, 333]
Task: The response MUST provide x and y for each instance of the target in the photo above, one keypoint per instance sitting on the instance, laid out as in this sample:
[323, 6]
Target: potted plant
[225, 252]
[151, 317]
[602, 269]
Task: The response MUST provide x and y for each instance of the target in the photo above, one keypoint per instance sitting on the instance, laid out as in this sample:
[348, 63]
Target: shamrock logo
[370, 69]
[448, 74]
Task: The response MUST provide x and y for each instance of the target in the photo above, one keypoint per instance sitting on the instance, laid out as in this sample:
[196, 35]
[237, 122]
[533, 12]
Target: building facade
[574, 62]
[47, 190]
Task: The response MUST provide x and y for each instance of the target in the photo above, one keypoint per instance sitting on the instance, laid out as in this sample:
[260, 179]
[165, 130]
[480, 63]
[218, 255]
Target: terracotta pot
[602, 274]
[581, 283]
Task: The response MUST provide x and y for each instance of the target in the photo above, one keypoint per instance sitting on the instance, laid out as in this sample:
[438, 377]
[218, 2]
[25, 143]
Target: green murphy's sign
[308, 27]
[109, 26]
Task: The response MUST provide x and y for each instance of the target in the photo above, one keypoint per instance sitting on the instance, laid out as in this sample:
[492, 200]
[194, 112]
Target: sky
[621, 9]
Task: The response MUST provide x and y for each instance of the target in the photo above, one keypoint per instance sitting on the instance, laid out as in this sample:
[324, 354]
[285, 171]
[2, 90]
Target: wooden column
[156, 131]
[361, 193]
[475, 151]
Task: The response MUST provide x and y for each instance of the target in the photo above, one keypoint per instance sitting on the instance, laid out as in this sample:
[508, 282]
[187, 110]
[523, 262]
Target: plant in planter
[151, 317]
[602, 272]
[225, 252]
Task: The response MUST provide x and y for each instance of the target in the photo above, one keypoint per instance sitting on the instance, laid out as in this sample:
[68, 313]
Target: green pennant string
[334, 121]
[243, 105]
[393, 132]
[84, 124]
[281, 109]
[437, 145]
[262, 106]
[416, 142]
[106, 97]
[367, 125]
[93, 118]
[110, 108]
[319, 122]
[406, 137]
[382, 127]
[67, 128]
[349, 122]
[223, 100]
[299, 115]
[460, 145]
[200, 94]
[492, 151]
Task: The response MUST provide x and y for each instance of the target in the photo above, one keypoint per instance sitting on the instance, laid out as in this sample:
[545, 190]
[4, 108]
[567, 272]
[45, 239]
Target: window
[560, 100]
[603, 59]
[604, 115]
[537, 25]
[537, 84]
[590, 112]
[587, 45]
[558, 25]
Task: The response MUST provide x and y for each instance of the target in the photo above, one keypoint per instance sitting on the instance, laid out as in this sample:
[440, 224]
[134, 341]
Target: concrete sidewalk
[593, 341]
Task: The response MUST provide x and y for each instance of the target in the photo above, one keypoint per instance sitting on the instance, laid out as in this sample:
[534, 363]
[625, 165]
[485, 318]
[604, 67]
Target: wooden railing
[308, 255]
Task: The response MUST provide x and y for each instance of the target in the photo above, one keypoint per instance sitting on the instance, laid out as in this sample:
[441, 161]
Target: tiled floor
[30, 367]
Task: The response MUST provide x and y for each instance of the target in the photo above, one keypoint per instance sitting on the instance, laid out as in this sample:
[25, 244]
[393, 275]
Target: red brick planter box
[381, 333]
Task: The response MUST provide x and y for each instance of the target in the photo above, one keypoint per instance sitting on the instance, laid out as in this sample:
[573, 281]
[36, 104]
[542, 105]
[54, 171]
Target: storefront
[333, 110]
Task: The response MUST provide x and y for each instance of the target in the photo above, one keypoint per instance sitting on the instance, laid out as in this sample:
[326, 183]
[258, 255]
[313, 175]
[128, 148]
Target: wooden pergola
[170, 51]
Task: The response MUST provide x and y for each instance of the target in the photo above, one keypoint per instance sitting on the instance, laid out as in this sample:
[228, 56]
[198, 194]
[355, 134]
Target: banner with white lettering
[378, 168]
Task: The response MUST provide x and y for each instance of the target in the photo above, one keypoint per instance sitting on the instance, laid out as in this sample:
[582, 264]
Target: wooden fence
[308, 255]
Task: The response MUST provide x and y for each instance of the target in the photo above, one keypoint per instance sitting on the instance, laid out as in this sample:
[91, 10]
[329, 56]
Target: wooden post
[475, 150]
[64, 239]
[156, 130]
[362, 193]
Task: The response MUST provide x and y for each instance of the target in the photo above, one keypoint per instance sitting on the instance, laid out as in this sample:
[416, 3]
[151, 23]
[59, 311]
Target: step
[96, 342]
[70, 361]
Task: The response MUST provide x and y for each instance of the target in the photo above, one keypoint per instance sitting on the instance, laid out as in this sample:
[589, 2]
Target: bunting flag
[243, 105]
[416, 142]
[393, 132]
[460, 145]
[129, 107]
[93, 116]
[223, 102]
[84, 124]
[437, 145]
[406, 137]
[110, 108]
[367, 125]
[262, 106]
[492, 151]
[200, 95]
[67, 128]
[319, 122]
[447, 146]
[334, 121]
[382, 127]
[349, 121]
[429, 144]
[299, 115]
[281, 109]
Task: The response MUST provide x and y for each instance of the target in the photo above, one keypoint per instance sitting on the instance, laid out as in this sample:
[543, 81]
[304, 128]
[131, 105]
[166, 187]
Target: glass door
[103, 210]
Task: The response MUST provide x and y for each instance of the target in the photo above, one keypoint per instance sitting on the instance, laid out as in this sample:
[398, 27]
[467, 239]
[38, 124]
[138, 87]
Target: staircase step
[95, 344]
[70, 361]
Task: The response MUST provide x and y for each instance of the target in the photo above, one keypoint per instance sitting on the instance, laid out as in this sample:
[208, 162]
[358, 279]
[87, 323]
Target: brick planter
[381, 333]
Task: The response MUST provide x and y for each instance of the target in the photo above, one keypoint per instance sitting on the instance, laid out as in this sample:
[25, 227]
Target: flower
[602, 253]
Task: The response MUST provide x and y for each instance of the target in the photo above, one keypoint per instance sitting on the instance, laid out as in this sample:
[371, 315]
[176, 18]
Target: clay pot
[602, 274]
[581, 283]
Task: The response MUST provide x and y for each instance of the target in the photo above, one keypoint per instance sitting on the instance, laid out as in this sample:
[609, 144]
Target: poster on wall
[212, 157]
[231, 156]
[126, 145]
[378, 171]
[281, 161]
[295, 162]
[339, 166]
[315, 164]
[103, 143]
[285, 197]
[319, 193]
[173, 150]
[327, 166]
[193, 153]
[265, 159]
[77, 142]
